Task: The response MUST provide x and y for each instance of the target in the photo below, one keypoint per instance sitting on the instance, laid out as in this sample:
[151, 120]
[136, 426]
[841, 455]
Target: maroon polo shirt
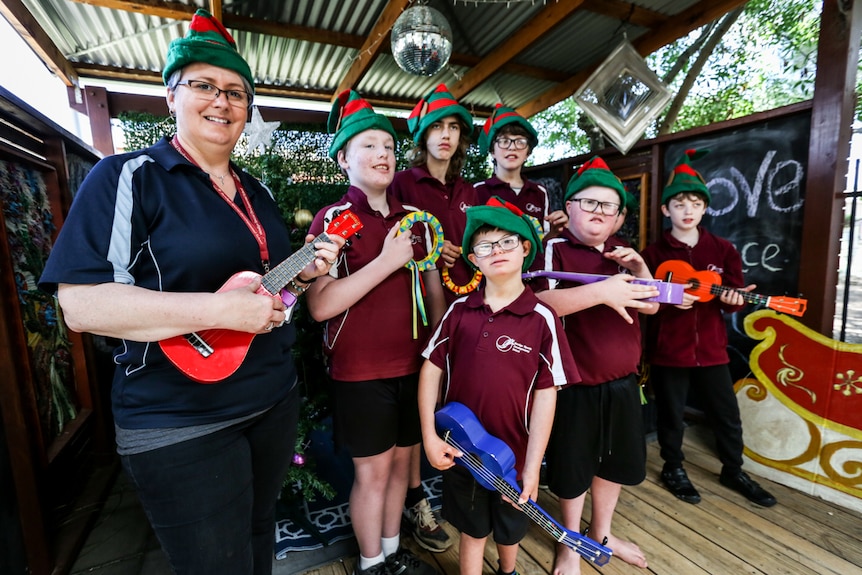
[494, 361]
[532, 199]
[373, 339]
[447, 202]
[695, 337]
[605, 346]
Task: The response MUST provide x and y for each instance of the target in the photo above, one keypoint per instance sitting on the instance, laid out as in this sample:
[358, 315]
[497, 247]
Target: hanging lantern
[421, 41]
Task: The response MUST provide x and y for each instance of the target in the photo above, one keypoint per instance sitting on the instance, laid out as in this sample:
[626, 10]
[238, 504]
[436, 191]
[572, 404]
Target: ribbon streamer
[415, 267]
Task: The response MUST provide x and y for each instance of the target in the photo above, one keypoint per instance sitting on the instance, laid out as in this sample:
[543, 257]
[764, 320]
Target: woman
[150, 237]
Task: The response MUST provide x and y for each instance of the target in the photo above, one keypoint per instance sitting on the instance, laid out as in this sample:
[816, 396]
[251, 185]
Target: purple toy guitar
[667, 292]
[492, 463]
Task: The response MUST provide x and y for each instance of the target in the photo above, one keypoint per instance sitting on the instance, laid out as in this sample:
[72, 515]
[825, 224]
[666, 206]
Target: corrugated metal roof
[103, 41]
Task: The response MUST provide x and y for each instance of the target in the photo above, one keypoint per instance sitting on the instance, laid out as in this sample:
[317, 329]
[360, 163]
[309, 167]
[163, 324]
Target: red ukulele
[212, 355]
[707, 284]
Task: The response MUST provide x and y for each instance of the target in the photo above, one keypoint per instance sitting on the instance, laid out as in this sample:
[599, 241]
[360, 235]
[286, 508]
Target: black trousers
[714, 387]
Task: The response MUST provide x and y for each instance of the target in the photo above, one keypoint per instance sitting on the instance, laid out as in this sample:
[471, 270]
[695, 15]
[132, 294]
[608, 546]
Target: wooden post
[829, 147]
[96, 100]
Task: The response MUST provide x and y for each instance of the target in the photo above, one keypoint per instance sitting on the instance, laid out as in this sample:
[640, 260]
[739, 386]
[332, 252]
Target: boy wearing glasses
[510, 140]
[597, 442]
[500, 352]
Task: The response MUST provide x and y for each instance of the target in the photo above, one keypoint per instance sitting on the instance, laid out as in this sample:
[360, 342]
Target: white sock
[365, 562]
[390, 545]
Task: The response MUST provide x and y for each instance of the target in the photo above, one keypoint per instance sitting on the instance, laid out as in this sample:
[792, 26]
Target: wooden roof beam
[552, 15]
[34, 35]
[625, 12]
[669, 31]
[372, 46]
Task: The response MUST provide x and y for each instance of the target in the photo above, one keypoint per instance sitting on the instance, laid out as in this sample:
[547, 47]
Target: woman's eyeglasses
[206, 91]
[592, 206]
[507, 244]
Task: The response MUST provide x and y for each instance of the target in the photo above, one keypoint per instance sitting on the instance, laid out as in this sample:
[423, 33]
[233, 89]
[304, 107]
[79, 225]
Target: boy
[510, 139]
[502, 355]
[597, 442]
[374, 360]
[441, 129]
[687, 343]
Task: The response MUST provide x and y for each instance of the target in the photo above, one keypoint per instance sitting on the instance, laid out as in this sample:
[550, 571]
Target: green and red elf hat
[499, 118]
[595, 173]
[684, 178]
[435, 106]
[504, 216]
[350, 115]
[207, 41]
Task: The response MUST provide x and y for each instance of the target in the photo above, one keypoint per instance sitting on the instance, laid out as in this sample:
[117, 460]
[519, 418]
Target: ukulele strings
[211, 336]
[584, 547]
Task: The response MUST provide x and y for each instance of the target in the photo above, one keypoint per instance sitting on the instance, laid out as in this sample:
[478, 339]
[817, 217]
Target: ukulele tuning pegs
[348, 243]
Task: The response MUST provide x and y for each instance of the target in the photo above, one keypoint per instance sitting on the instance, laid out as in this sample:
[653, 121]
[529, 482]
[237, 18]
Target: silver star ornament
[259, 132]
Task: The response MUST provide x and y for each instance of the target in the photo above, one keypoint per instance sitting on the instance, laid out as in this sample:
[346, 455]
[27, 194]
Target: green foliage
[558, 129]
[767, 59]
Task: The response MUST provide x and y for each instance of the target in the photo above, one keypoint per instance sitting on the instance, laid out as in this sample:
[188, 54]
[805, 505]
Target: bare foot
[566, 562]
[627, 551]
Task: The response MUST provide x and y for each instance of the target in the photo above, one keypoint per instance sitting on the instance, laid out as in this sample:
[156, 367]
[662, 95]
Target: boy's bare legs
[471, 555]
[566, 561]
[377, 498]
[605, 495]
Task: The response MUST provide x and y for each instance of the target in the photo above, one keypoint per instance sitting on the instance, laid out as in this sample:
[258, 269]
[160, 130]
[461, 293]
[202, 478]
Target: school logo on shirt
[506, 344]
[464, 206]
[531, 207]
[714, 268]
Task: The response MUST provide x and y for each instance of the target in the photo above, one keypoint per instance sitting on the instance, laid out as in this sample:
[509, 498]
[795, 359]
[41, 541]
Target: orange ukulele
[212, 355]
[707, 284]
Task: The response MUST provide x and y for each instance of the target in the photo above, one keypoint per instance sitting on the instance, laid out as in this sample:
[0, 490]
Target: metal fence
[847, 326]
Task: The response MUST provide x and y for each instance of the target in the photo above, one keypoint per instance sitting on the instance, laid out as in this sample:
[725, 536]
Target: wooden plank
[723, 534]
[800, 517]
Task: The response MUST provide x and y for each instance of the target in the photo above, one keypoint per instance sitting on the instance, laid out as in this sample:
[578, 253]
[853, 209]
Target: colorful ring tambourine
[436, 229]
[461, 290]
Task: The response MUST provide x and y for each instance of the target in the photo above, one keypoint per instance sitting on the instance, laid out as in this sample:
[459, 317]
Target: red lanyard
[251, 220]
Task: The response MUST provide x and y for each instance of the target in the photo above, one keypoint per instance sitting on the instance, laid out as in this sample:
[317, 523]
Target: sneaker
[677, 482]
[378, 569]
[426, 531]
[742, 483]
[403, 562]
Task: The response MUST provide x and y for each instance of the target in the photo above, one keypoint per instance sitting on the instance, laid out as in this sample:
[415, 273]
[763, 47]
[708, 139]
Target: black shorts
[372, 416]
[477, 511]
[598, 432]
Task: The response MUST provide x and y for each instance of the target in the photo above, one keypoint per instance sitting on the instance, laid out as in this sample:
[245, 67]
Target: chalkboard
[756, 176]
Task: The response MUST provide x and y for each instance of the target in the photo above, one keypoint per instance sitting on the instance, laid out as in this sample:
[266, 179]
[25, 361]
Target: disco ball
[421, 41]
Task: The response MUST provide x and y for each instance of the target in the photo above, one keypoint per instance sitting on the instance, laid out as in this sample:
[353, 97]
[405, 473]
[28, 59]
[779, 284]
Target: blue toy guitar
[492, 464]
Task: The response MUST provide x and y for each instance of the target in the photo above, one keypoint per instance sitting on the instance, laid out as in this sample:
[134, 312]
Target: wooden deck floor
[723, 535]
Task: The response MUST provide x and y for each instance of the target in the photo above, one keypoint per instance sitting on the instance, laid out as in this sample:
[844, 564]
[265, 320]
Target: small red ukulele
[707, 284]
[212, 355]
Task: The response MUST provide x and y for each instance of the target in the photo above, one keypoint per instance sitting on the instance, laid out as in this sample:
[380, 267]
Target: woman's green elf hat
[207, 41]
